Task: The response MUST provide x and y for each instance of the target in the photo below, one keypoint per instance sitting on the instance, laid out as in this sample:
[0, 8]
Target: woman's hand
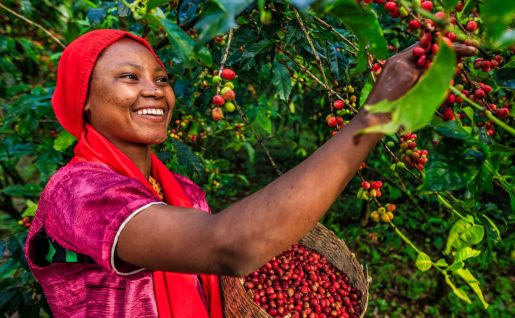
[399, 75]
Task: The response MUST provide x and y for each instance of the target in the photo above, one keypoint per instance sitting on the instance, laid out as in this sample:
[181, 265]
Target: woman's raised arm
[251, 231]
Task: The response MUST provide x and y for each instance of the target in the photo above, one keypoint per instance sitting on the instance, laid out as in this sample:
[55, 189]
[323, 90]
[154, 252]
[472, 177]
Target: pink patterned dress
[83, 209]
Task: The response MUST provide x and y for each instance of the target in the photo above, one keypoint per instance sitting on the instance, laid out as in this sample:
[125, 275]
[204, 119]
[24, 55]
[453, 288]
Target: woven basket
[238, 303]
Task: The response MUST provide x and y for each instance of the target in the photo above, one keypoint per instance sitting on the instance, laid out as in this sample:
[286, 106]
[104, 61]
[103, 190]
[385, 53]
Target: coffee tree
[261, 85]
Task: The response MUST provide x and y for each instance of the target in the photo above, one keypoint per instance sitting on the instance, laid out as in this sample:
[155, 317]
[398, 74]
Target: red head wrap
[74, 72]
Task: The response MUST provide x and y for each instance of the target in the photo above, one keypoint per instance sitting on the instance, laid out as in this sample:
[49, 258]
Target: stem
[404, 237]
[317, 57]
[34, 24]
[488, 114]
[224, 59]
[341, 36]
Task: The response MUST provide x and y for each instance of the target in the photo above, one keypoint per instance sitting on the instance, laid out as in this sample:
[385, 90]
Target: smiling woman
[117, 234]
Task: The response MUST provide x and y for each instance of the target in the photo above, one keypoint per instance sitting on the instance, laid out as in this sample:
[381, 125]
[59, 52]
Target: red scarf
[177, 295]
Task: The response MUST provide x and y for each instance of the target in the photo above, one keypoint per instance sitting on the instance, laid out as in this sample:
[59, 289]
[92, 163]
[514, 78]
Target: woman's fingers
[464, 50]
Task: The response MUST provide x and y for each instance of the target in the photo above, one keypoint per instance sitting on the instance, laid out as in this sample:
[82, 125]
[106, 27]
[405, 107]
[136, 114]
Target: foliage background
[286, 110]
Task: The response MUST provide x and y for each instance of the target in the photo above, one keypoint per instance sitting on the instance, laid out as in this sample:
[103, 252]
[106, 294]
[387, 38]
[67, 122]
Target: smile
[151, 111]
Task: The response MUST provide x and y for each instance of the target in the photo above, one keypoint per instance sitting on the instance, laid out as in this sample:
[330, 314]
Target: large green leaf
[219, 18]
[282, 81]
[458, 291]
[467, 276]
[497, 16]
[466, 253]
[363, 23]
[449, 4]
[459, 227]
[416, 108]
[183, 45]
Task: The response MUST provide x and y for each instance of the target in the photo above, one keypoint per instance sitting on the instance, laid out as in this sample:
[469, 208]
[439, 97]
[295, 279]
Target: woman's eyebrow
[139, 67]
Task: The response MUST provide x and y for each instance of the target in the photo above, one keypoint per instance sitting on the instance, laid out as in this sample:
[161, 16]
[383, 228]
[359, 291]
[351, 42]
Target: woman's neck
[141, 155]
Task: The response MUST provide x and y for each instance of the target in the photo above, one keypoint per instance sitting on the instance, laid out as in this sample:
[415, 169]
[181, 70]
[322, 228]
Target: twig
[224, 58]
[319, 81]
[341, 36]
[34, 24]
[240, 110]
[317, 57]
[258, 138]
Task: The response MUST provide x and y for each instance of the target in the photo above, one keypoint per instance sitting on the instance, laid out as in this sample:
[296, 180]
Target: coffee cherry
[230, 107]
[338, 104]
[217, 100]
[216, 79]
[502, 112]
[390, 6]
[418, 51]
[228, 74]
[217, 114]
[365, 185]
[332, 121]
[228, 94]
[427, 5]
[414, 24]
[374, 216]
[471, 26]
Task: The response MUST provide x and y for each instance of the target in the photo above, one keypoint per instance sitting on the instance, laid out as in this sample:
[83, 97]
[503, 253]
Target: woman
[117, 234]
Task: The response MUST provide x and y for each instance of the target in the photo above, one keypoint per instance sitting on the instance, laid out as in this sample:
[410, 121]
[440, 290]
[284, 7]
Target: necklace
[156, 186]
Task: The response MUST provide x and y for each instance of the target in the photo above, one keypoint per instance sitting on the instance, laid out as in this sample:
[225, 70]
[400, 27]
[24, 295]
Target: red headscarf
[177, 295]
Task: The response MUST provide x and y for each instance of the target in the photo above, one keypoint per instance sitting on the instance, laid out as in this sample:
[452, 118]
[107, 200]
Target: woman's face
[130, 101]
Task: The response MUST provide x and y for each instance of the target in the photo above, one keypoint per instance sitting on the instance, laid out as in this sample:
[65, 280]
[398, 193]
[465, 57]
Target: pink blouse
[83, 208]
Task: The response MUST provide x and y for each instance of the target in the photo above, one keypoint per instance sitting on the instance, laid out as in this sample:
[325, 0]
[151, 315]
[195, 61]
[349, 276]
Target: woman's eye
[162, 79]
[130, 76]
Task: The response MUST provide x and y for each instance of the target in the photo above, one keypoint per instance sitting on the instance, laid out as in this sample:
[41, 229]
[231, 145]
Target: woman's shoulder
[85, 176]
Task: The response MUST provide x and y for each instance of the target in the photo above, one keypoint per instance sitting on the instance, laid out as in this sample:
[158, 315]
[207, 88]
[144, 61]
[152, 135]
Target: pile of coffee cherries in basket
[302, 283]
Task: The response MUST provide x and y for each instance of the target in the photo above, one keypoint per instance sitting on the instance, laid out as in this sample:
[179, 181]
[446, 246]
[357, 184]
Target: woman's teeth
[151, 111]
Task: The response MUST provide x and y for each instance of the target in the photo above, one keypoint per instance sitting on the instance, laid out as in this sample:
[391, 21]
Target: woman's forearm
[281, 213]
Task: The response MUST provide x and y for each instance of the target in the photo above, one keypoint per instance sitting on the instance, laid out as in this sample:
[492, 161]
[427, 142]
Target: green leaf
[31, 208]
[333, 60]
[251, 153]
[467, 276]
[455, 266]
[495, 19]
[451, 129]
[181, 43]
[466, 253]
[151, 4]
[204, 55]
[449, 4]
[282, 81]
[458, 291]
[416, 108]
[262, 121]
[441, 263]
[26, 190]
[423, 262]
[361, 21]
[63, 141]
[459, 227]
[506, 39]
[505, 76]
[470, 236]
[219, 17]
[365, 91]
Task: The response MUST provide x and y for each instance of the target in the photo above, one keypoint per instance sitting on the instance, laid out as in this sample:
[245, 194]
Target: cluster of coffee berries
[226, 94]
[302, 283]
[370, 189]
[184, 129]
[486, 65]
[384, 214]
[410, 154]
[25, 221]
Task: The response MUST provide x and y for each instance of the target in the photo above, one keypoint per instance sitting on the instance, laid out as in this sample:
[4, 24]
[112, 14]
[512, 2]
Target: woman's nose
[151, 89]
